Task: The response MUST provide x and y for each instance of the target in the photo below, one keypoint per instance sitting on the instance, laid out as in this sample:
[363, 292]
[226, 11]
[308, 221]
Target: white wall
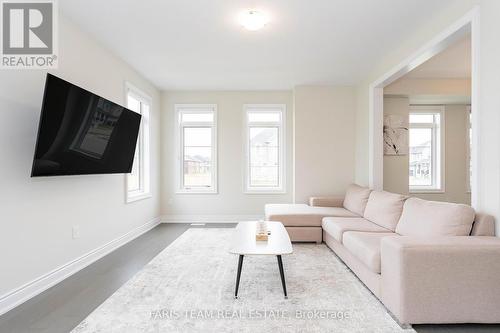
[362, 130]
[230, 202]
[324, 140]
[489, 154]
[396, 166]
[37, 214]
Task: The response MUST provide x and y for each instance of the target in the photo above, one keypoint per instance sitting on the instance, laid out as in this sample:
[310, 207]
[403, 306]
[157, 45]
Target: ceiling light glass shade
[253, 19]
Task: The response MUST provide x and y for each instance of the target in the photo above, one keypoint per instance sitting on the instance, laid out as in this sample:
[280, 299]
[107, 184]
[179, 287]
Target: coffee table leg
[238, 275]
[282, 273]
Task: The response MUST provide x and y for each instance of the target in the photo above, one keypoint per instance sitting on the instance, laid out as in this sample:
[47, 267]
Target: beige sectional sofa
[428, 262]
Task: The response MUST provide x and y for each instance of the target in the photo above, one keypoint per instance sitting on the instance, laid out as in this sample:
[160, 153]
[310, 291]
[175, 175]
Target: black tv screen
[82, 133]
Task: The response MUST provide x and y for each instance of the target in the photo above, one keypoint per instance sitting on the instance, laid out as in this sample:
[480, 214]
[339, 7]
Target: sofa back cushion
[433, 218]
[384, 208]
[356, 198]
[484, 225]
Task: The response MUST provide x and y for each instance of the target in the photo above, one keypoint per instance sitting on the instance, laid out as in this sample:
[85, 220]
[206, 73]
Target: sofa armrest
[441, 279]
[334, 201]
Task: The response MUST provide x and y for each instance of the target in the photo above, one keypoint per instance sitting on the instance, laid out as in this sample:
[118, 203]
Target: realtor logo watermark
[29, 34]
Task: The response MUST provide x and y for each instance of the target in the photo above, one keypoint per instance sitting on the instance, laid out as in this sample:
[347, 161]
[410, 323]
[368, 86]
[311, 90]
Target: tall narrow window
[426, 158]
[197, 148]
[138, 181]
[265, 148]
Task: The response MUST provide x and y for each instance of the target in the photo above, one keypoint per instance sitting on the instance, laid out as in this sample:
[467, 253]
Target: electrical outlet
[170, 201]
[76, 231]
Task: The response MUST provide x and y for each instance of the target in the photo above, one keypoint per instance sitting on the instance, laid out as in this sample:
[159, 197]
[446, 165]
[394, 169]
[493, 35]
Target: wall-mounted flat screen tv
[82, 133]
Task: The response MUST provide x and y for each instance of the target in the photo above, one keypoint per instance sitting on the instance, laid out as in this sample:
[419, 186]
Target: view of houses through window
[264, 157]
[197, 138]
[197, 156]
[264, 147]
[425, 150]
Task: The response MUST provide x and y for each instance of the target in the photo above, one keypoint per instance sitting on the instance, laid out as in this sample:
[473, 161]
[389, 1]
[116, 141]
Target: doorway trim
[469, 23]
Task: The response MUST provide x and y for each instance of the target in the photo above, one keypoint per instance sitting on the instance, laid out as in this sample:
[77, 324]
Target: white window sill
[138, 197]
[196, 192]
[426, 191]
[270, 191]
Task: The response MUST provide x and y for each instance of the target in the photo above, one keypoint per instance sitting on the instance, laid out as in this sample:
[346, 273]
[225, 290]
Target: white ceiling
[452, 63]
[193, 44]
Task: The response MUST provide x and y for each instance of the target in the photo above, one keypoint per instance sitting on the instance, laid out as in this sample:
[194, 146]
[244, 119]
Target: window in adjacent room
[426, 149]
[138, 181]
[264, 148]
[197, 148]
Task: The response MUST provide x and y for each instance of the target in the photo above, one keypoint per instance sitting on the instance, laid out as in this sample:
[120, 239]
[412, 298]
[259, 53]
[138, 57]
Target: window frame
[438, 148]
[179, 143]
[264, 108]
[144, 144]
[468, 134]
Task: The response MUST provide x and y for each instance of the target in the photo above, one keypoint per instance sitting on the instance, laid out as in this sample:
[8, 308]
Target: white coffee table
[244, 243]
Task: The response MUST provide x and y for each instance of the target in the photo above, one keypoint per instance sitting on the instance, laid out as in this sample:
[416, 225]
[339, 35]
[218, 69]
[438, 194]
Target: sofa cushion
[302, 215]
[384, 208]
[356, 198]
[365, 246]
[433, 218]
[337, 226]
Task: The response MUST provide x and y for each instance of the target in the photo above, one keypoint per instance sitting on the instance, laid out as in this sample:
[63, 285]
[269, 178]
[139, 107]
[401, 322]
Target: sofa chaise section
[303, 222]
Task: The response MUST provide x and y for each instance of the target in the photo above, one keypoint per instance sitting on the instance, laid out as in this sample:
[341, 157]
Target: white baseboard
[20, 295]
[209, 218]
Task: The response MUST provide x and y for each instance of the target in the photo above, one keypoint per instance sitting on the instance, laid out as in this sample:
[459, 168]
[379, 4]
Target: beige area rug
[189, 287]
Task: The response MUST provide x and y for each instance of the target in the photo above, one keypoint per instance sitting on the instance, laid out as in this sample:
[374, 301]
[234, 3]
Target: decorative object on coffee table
[261, 231]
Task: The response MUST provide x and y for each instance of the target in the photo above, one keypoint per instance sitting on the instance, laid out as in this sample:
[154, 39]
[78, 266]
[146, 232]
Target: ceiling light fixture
[253, 19]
